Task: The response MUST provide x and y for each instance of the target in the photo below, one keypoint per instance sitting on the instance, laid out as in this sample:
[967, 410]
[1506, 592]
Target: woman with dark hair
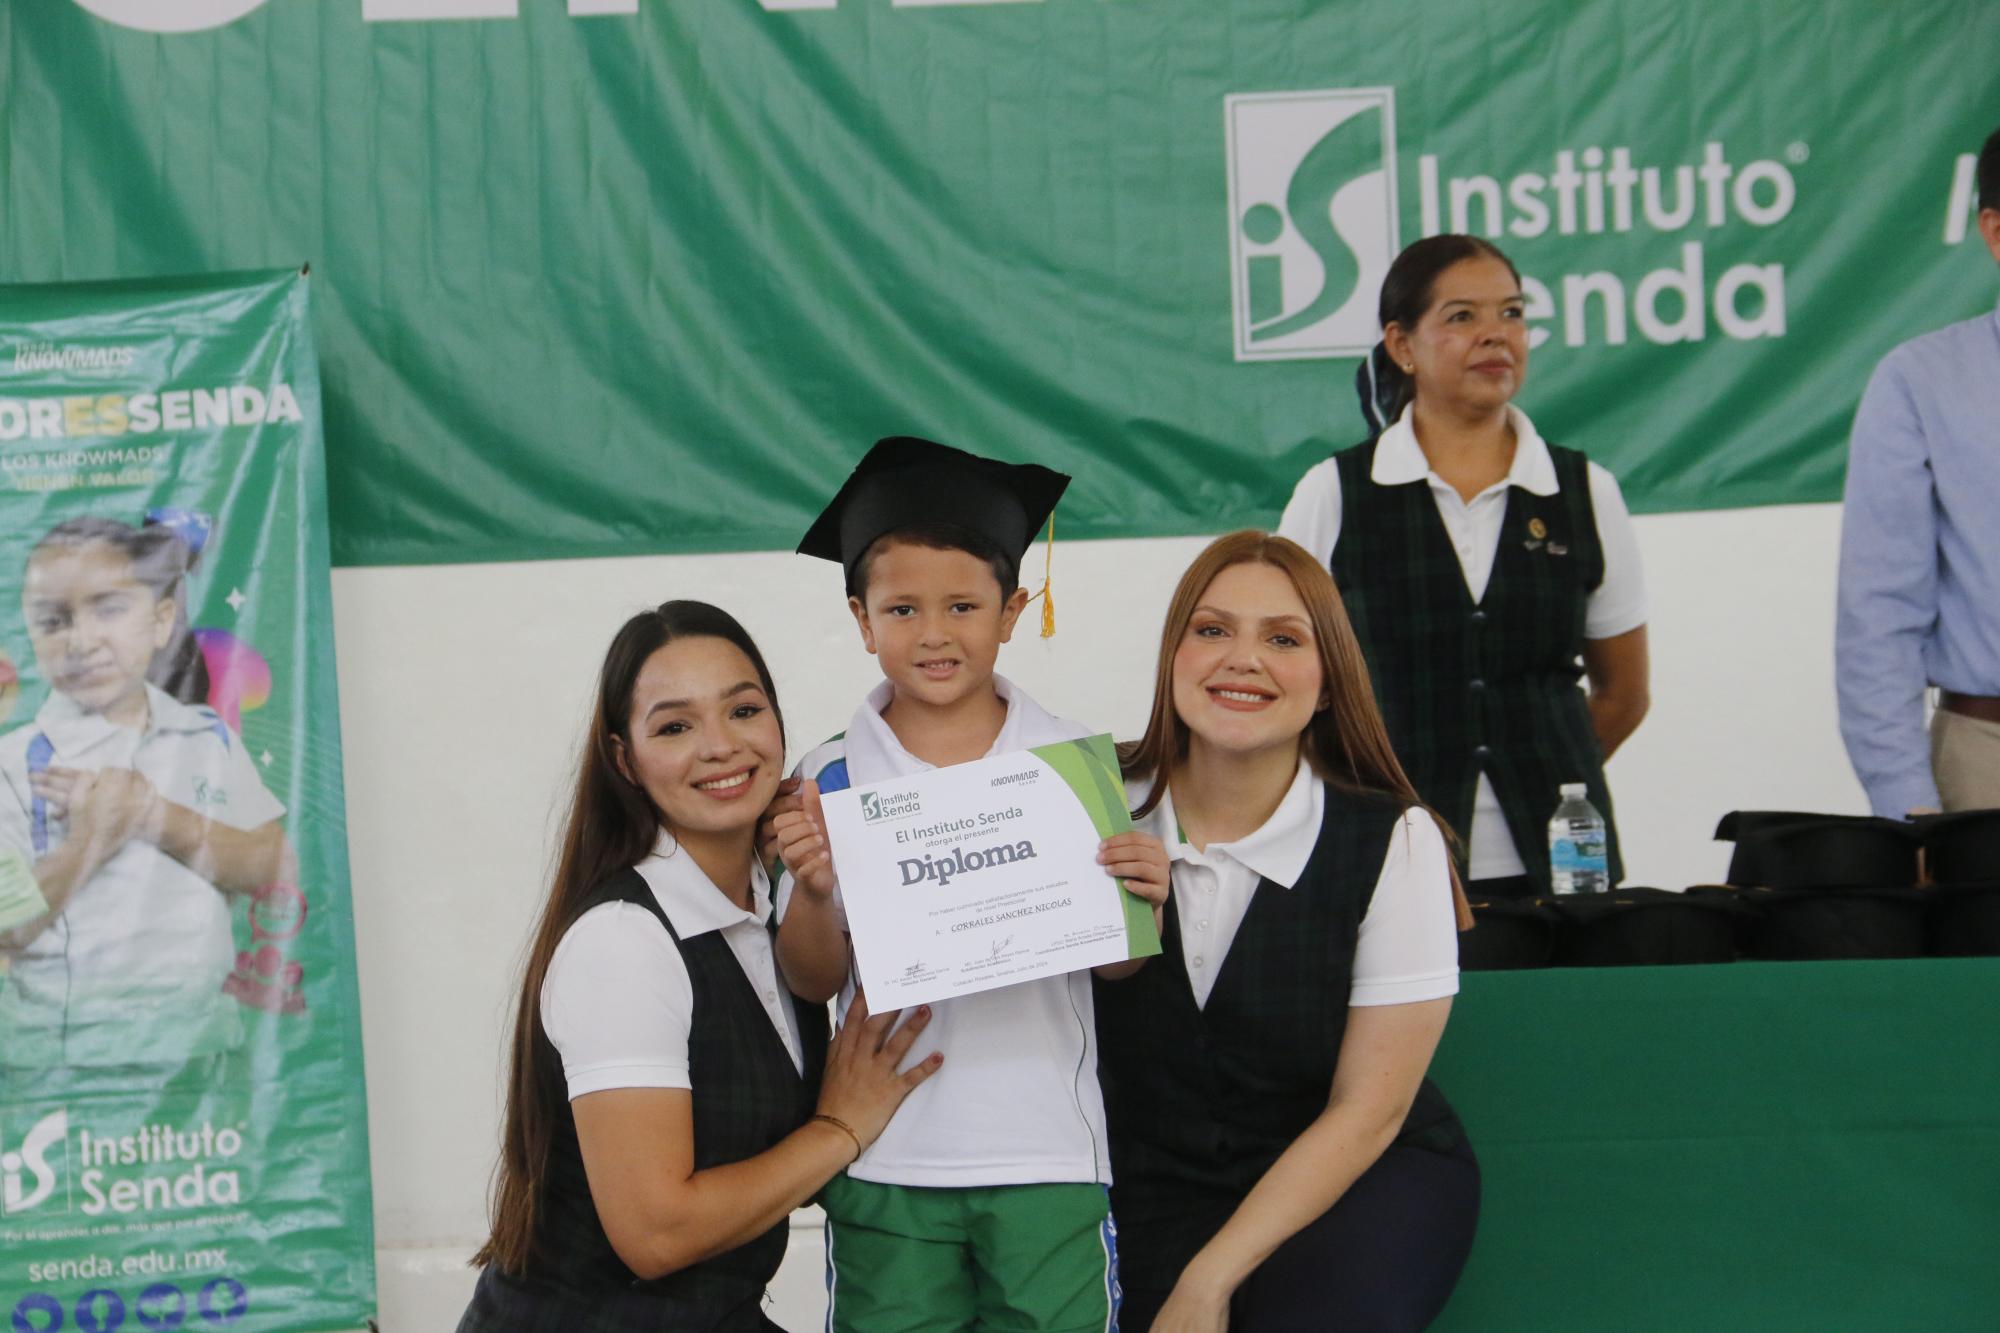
[1279, 1160]
[665, 1107]
[1486, 570]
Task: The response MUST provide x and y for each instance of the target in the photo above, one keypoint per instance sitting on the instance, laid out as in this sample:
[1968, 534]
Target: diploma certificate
[985, 874]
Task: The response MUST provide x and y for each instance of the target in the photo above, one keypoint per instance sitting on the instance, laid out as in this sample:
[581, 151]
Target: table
[1750, 1146]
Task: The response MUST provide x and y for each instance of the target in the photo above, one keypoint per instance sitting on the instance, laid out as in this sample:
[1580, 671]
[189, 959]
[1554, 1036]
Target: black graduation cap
[1965, 921]
[1508, 933]
[906, 482]
[1648, 927]
[1788, 849]
[1964, 847]
[1832, 923]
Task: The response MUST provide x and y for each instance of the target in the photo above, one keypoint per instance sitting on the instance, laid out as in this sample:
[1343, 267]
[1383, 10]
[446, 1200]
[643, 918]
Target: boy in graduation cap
[983, 1205]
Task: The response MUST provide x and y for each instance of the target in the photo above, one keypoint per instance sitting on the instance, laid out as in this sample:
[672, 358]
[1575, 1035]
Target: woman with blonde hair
[1280, 1161]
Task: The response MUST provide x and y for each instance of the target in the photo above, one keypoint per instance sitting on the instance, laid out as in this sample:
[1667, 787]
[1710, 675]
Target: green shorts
[997, 1258]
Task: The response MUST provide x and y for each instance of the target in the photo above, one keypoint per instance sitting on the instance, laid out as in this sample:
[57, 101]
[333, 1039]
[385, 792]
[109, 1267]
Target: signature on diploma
[1000, 946]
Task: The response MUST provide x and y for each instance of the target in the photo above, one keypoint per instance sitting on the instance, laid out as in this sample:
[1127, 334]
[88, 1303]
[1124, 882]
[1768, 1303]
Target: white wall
[463, 689]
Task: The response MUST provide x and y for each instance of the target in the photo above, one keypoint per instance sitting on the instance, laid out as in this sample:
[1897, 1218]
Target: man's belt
[1984, 707]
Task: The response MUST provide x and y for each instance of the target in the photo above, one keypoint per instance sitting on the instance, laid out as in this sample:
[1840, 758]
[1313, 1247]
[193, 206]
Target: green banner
[639, 275]
[183, 1132]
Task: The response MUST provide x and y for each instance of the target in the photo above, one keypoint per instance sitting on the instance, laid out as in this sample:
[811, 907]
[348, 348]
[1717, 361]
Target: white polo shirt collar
[874, 754]
[74, 730]
[1399, 459]
[691, 900]
[1278, 851]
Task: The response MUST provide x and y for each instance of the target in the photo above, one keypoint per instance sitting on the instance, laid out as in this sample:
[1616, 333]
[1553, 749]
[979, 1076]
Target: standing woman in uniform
[1280, 1162]
[665, 1109]
[1485, 570]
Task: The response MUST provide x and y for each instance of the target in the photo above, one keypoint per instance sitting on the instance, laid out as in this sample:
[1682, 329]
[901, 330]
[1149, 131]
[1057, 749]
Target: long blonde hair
[1345, 743]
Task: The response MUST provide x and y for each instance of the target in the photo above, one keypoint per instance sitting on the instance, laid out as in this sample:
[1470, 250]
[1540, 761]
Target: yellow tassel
[1047, 594]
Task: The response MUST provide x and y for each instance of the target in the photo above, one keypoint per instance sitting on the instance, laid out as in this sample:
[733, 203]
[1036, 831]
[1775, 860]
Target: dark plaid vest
[746, 1097]
[1201, 1101]
[1491, 686]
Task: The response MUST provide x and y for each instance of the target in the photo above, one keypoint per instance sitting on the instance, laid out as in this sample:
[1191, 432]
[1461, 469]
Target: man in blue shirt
[1920, 563]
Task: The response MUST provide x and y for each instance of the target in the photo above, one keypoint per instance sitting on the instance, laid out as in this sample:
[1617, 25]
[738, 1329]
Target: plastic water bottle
[1577, 847]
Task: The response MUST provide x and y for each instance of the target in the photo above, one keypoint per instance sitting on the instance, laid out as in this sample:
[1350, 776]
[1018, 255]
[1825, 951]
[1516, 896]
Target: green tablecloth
[1759, 1146]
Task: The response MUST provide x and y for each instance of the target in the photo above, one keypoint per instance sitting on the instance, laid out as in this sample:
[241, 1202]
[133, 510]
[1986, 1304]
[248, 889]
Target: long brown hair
[612, 825]
[1345, 743]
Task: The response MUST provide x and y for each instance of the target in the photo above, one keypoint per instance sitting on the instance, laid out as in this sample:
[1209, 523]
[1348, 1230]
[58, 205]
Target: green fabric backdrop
[1767, 1146]
[650, 282]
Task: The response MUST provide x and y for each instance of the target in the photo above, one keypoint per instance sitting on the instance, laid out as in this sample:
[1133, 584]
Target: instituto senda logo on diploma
[877, 806]
[1312, 218]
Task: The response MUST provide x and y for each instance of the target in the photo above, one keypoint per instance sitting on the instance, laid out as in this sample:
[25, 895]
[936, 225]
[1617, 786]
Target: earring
[1409, 368]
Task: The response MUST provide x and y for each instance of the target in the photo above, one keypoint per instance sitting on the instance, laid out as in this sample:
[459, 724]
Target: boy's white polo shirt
[1016, 1101]
[131, 972]
[617, 1002]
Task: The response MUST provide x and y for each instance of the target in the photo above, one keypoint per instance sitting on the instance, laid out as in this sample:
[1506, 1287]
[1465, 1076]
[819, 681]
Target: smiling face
[95, 628]
[1470, 349]
[936, 620]
[1247, 673]
[702, 739]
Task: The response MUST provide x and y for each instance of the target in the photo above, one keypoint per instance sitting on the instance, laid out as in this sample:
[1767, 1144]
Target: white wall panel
[463, 689]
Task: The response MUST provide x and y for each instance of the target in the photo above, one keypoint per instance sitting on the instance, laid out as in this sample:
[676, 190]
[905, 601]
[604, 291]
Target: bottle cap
[1576, 789]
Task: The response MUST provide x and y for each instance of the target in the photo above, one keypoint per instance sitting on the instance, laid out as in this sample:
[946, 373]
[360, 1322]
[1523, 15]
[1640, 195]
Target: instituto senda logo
[877, 806]
[1312, 208]
[1313, 181]
[27, 1173]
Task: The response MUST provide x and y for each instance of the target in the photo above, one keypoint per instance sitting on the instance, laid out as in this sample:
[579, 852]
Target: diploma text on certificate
[945, 827]
[963, 861]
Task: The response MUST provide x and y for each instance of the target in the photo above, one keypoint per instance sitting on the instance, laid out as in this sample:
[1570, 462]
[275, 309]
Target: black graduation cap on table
[1964, 852]
[1965, 920]
[1649, 927]
[1509, 933]
[906, 482]
[1964, 846]
[1788, 849]
[1836, 923]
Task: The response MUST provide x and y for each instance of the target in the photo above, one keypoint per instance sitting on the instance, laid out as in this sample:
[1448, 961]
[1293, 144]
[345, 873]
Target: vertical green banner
[183, 1134]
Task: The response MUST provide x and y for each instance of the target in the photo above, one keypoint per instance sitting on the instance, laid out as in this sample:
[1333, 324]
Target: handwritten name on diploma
[1014, 915]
